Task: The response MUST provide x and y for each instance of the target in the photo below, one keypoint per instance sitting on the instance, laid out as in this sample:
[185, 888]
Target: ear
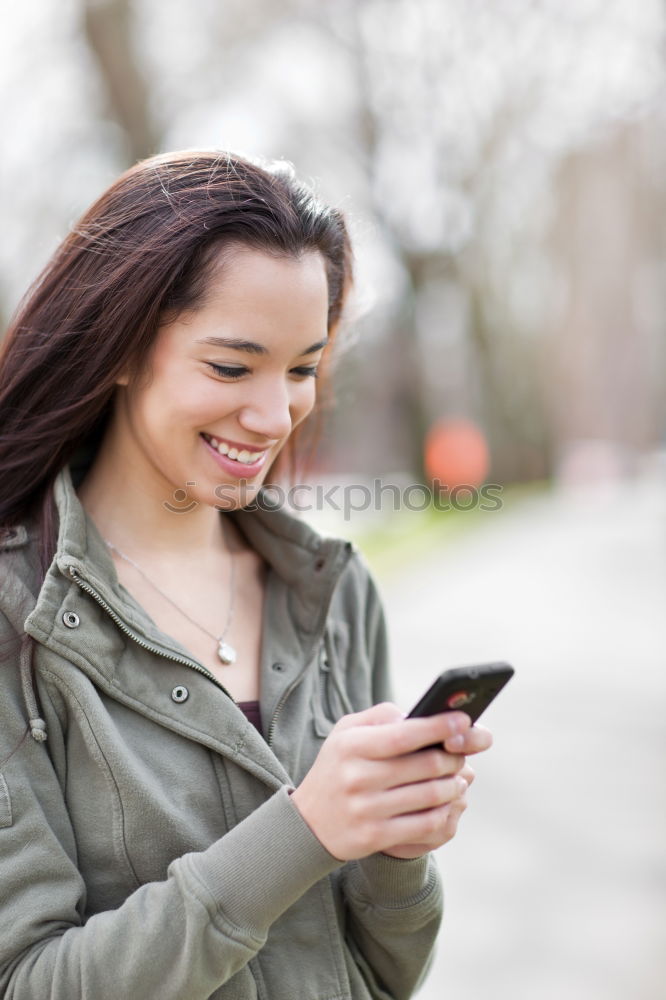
[123, 379]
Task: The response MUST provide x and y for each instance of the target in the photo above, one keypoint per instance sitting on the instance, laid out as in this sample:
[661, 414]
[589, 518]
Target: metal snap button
[180, 693]
[279, 667]
[71, 619]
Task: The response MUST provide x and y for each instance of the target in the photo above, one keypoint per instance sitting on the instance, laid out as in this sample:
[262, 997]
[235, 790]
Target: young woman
[205, 790]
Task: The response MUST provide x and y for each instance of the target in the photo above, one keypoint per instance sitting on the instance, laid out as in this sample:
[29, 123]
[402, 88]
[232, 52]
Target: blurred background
[503, 169]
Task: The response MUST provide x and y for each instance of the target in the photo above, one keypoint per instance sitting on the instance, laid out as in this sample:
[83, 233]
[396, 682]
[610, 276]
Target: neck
[141, 513]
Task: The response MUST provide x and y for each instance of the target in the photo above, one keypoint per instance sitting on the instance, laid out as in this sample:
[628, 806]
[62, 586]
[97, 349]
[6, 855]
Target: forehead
[247, 281]
[278, 302]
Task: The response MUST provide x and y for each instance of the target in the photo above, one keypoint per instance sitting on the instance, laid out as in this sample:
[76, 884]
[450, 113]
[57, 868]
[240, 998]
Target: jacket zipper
[84, 585]
[278, 708]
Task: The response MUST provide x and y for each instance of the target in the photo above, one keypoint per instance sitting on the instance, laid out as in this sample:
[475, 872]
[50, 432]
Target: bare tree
[108, 29]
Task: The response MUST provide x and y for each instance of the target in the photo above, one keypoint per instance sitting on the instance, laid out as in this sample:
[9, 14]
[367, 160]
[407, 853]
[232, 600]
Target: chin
[233, 496]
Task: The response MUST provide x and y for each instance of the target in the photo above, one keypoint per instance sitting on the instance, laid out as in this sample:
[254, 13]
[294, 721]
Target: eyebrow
[251, 346]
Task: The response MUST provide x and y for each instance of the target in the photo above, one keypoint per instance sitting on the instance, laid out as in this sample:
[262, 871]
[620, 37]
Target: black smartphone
[469, 689]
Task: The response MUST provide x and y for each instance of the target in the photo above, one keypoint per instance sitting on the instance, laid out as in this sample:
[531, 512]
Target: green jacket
[149, 848]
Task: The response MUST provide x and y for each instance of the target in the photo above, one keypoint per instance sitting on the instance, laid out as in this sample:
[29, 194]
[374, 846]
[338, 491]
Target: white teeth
[244, 456]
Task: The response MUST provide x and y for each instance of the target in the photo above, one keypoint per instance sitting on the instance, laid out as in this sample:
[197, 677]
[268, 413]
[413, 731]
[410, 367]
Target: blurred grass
[406, 535]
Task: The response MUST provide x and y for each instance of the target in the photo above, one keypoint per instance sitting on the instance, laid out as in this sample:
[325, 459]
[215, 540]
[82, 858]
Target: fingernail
[463, 784]
[458, 723]
[456, 742]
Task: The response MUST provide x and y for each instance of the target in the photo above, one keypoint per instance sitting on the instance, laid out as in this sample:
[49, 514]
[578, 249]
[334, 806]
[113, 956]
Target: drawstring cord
[36, 723]
[17, 618]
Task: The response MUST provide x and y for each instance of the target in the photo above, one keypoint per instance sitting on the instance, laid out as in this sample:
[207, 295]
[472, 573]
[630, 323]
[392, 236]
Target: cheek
[303, 401]
[184, 403]
[199, 400]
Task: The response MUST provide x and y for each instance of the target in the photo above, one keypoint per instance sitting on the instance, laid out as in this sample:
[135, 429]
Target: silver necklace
[226, 652]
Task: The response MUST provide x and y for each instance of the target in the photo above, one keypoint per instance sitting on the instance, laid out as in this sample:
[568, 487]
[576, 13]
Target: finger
[408, 851]
[383, 713]
[467, 773]
[431, 829]
[456, 810]
[421, 795]
[394, 739]
[446, 826]
[424, 765]
[474, 740]
[428, 827]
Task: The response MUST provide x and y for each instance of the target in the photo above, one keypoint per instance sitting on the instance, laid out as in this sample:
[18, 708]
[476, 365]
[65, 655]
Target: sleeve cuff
[392, 883]
[263, 865]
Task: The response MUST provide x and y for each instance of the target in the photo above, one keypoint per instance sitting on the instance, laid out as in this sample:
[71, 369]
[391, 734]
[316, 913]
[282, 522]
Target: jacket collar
[308, 563]
[309, 566]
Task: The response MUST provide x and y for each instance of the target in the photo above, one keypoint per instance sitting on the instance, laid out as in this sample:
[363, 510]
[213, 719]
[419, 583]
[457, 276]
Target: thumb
[378, 715]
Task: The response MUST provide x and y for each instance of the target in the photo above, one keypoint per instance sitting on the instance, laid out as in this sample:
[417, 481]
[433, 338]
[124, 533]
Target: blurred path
[556, 883]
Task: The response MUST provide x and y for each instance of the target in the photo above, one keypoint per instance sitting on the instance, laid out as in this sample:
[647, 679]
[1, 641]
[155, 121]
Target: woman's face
[228, 382]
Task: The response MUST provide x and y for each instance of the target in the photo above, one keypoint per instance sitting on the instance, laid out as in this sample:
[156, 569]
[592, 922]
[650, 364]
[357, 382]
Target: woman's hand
[369, 791]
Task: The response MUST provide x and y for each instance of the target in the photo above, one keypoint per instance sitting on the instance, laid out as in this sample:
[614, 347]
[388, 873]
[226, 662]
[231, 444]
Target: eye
[237, 371]
[228, 371]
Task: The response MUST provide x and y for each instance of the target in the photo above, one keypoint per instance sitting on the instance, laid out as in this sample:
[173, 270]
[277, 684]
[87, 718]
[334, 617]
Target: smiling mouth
[244, 455]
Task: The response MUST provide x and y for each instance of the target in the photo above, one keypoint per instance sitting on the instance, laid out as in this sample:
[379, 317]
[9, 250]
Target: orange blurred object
[456, 453]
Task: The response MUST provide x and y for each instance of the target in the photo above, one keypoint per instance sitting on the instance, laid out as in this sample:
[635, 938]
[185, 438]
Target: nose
[269, 412]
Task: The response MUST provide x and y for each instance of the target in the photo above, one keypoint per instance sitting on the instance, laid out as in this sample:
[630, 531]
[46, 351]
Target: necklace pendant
[226, 652]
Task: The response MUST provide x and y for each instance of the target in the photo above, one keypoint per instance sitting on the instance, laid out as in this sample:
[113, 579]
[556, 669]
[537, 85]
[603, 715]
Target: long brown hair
[146, 247]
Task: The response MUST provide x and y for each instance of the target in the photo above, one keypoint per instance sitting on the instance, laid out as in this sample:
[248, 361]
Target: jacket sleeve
[192, 931]
[394, 906]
